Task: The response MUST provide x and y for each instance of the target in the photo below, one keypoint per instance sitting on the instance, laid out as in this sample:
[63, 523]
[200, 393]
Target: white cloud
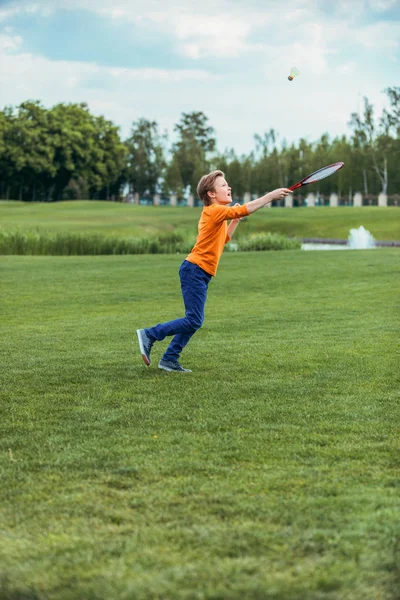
[121, 95]
[383, 5]
[294, 15]
[204, 36]
[198, 33]
[266, 38]
[224, 28]
[382, 35]
[347, 68]
[26, 7]
[37, 68]
[159, 75]
[354, 9]
[9, 42]
[311, 54]
[8, 13]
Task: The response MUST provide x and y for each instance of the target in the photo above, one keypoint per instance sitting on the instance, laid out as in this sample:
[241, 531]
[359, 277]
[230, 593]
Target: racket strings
[322, 173]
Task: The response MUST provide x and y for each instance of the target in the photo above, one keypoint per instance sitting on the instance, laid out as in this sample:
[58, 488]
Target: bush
[268, 241]
[82, 244]
[79, 244]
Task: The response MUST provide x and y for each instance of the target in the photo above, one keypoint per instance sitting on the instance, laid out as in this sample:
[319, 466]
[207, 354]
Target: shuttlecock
[293, 73]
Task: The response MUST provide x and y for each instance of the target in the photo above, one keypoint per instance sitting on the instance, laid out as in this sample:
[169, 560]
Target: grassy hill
[130, 220]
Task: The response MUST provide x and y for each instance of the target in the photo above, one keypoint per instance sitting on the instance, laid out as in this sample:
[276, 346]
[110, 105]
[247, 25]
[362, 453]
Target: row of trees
[67, 153]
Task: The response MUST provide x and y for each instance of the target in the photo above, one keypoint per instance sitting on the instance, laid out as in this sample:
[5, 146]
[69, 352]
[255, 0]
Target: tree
[145, 156]
[322, 157]
[6, 168]
[374, 145]
[195, 141]
[173, 183]
[391, 122]
[27, 152]
[362, 141]
[235, 178]
[267, 170]
[73, 135]
[232, 167]
[345, 180]
[110, 161]
[66, 152]
[393, 117]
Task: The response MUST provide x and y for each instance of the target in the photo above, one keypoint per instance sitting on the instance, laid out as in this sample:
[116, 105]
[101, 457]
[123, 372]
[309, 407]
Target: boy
[201, 265]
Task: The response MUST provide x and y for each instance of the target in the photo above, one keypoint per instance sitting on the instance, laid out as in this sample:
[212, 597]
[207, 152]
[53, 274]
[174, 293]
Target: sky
[155, 59]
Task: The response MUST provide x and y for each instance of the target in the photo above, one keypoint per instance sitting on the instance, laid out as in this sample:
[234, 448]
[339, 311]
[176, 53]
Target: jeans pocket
[183, 266]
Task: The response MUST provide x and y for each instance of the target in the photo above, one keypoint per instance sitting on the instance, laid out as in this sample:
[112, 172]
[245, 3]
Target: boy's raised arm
[277, 194]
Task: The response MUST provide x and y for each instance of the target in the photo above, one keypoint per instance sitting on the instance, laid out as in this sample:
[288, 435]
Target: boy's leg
[194, 284]
[194, 297]
[176, 346]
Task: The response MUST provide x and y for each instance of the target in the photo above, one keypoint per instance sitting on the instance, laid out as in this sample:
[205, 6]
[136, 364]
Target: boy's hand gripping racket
[318, 175]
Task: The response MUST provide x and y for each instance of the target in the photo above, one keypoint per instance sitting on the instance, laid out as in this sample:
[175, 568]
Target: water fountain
[360, 239]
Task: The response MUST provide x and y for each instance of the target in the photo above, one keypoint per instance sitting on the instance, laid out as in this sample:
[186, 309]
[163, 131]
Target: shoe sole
[173, 370]
[146, 359]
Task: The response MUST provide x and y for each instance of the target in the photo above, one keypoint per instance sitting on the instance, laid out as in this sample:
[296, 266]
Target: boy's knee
[195, 322]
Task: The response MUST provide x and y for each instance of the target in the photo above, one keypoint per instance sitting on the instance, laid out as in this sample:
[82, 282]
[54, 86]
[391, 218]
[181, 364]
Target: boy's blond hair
[206, 184]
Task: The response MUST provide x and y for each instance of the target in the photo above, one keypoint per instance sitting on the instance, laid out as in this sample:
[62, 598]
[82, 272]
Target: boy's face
[221, 193]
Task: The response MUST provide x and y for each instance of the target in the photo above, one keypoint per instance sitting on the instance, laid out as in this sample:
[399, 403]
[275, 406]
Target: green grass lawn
[130, 220]
[270, 472]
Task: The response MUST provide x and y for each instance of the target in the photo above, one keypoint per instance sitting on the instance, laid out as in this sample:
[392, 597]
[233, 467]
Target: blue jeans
[194, 284]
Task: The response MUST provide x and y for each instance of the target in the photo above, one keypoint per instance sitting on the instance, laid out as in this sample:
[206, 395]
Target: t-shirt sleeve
[225, 213]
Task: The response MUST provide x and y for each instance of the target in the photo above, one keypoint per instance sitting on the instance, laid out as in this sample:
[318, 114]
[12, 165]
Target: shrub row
[79, 244]
[268, 241]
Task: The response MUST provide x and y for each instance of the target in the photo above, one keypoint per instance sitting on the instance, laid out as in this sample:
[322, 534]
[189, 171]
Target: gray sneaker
[145, 345]
[172, 365]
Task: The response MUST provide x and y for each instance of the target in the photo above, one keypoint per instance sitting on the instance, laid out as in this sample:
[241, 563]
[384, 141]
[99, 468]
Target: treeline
[65, 152]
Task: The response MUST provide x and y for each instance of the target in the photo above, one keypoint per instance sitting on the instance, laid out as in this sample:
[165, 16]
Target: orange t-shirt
[213, 235]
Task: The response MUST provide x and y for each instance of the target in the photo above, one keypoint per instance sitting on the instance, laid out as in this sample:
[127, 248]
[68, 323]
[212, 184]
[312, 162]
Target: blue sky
[228, 58]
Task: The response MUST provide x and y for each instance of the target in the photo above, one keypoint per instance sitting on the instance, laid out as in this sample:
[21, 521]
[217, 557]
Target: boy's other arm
[277, 194]
[232, 227]
[233, 224]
